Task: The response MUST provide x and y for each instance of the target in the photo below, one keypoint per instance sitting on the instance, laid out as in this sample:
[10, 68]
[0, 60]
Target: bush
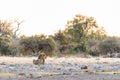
[109, 45]
[37, 43]
[4, 50]
[92, 47]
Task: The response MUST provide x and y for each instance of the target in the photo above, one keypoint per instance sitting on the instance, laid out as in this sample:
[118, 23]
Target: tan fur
[37, 62]
[41, 59]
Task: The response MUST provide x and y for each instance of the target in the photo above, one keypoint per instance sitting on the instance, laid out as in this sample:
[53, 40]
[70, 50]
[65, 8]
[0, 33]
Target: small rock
[58, 68]
[21, 74]
[51, 74]
[89, 72]
[33, 75]
[66, 73]
[3, 63]
[84, 67]
[105, 62]
[103, 71]
[36, 75]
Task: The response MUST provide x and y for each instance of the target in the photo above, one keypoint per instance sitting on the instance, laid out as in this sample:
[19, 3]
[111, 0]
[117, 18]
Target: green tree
[83, 28]
[62, 41]
[5, 36]
[5, 30]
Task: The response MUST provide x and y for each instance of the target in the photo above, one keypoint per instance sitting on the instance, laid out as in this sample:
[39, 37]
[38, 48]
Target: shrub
[109, 45]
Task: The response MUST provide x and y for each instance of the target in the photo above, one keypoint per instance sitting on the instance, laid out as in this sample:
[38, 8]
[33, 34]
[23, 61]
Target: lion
[37, 62]
[41, 59]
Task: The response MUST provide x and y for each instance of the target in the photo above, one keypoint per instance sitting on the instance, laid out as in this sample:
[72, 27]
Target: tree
[15, 35]
[61, 38]
[15, 46]
[5, 36]
[5, 30]
[62, 41]
[9, 42]
[83, 28]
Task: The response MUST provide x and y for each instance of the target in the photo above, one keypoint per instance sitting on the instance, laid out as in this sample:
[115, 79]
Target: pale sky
[48, 16]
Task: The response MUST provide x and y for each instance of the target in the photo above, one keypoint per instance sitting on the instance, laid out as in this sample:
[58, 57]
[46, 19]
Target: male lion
[41, 59]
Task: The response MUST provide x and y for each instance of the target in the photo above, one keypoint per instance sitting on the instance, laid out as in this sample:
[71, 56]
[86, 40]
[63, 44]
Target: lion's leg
[43, 61]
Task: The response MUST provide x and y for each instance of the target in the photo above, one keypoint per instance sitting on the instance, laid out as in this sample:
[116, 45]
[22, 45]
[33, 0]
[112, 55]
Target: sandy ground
[65, 68]
[57, 60]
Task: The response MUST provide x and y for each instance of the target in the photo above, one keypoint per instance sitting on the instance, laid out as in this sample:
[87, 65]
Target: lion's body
[37, 62]
[41, 59]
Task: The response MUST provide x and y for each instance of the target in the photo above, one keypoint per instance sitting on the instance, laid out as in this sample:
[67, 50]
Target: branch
[18, 25]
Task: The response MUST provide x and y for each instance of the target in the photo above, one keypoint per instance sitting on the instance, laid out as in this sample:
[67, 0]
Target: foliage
[78, 31]
[5, 36]
[82, 28]
[92, 47]
[110, 45]
[62, 41]
[4, 49]
[38, 43]
[104, 46]
[62, 38]
[81, 35]
[5, 29]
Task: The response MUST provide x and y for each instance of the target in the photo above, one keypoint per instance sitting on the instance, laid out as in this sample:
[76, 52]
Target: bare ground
[65, 68]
